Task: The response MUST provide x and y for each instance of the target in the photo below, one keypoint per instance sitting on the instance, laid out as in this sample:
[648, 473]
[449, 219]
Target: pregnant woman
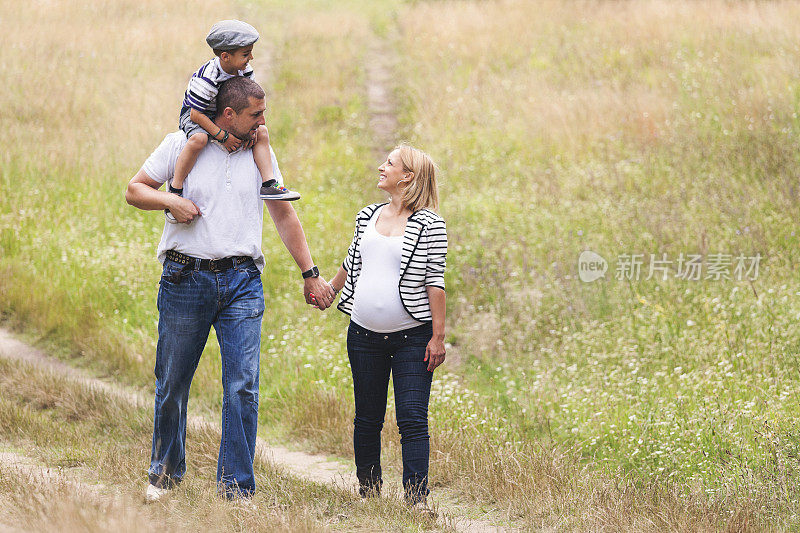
[392, 284]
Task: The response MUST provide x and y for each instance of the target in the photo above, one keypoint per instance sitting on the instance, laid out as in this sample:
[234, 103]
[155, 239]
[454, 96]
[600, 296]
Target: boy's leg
[270, 188]
[188, 157]
[238, 327]
[261, 155]
[185, 311]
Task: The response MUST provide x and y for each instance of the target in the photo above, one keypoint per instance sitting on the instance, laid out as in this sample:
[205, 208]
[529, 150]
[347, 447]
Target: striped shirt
[201, 94]
[422, 264]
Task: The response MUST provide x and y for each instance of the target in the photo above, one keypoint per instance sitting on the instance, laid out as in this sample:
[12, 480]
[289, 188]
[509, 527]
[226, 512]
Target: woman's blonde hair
[421, 190]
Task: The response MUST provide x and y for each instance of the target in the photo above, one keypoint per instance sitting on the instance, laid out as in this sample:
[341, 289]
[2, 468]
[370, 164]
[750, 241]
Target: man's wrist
[312, 272]
[169, 201]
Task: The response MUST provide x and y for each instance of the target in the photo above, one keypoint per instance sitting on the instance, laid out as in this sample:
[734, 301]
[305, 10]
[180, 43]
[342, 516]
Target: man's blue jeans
[373, 356]
[190, 301]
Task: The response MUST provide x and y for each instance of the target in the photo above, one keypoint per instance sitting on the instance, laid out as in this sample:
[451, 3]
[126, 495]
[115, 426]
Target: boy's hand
[232, 143]
[251, 141]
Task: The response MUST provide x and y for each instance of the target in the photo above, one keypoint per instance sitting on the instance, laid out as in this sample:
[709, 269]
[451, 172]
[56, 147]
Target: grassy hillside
[661, 128]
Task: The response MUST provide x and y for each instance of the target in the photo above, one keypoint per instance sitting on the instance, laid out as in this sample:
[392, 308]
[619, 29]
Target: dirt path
[312, 467]
[52, 484]
[380, 98]
[22, 465]
[380, 61]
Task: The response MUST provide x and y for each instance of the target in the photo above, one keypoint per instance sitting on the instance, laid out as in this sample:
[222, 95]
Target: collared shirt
[225, 188]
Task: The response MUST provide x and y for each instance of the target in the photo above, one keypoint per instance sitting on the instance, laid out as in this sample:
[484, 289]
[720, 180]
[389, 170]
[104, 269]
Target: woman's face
[392, 174]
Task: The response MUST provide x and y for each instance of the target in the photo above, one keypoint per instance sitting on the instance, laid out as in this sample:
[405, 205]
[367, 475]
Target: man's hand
[232, 143]
[318, 293]
[183, 209]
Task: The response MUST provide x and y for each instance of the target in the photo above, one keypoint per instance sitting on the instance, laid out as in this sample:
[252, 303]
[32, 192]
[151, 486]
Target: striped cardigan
[422, 263]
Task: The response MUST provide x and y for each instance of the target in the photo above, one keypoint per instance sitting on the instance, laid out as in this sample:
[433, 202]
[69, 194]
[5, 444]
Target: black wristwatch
[312, 272]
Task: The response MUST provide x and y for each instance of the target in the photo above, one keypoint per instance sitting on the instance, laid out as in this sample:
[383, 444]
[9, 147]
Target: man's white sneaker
[154, 493]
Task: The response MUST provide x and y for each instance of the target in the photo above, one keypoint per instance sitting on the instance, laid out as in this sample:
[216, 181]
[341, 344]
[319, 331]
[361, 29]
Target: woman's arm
[436, 240]
[435, 351]
[338, 280]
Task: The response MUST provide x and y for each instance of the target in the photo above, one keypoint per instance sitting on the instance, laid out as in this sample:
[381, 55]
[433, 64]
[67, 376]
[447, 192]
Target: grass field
[622, 128]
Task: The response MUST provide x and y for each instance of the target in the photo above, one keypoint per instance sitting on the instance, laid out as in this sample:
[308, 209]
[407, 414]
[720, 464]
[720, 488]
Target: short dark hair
[236, 93]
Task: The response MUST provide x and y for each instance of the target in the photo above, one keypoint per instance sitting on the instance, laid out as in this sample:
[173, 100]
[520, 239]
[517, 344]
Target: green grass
[689, 383]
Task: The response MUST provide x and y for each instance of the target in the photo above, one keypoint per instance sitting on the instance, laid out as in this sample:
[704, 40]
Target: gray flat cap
[231, 34]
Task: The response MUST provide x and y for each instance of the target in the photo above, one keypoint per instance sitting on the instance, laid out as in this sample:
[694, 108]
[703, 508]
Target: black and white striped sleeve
[437, 254]
[347, 264]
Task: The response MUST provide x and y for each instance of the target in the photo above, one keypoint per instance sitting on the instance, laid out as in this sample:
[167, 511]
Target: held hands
[434, 353]
[318, 293]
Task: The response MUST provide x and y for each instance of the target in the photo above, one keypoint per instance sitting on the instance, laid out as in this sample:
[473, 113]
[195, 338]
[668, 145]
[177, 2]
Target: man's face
[245, 124]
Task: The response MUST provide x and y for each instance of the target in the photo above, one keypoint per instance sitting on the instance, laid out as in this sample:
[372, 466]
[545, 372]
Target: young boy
[232, 42]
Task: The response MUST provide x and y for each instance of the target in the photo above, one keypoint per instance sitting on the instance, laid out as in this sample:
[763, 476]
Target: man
[212, 277]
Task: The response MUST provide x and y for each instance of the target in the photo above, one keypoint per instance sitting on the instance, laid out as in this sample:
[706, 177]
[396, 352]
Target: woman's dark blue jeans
[373, 356]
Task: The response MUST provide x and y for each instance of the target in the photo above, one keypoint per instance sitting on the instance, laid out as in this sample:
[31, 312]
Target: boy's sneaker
[170, 218]
[272, 190]
[153, 493]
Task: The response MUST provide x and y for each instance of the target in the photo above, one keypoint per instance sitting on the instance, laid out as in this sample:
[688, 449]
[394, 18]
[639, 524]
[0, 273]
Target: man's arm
[142, 192]
[291, 231]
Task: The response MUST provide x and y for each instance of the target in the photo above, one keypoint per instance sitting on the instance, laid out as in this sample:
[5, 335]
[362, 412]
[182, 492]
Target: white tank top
[376, 303]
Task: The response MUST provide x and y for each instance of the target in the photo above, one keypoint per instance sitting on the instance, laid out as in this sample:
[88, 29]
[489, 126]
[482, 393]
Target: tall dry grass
[92, 450]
